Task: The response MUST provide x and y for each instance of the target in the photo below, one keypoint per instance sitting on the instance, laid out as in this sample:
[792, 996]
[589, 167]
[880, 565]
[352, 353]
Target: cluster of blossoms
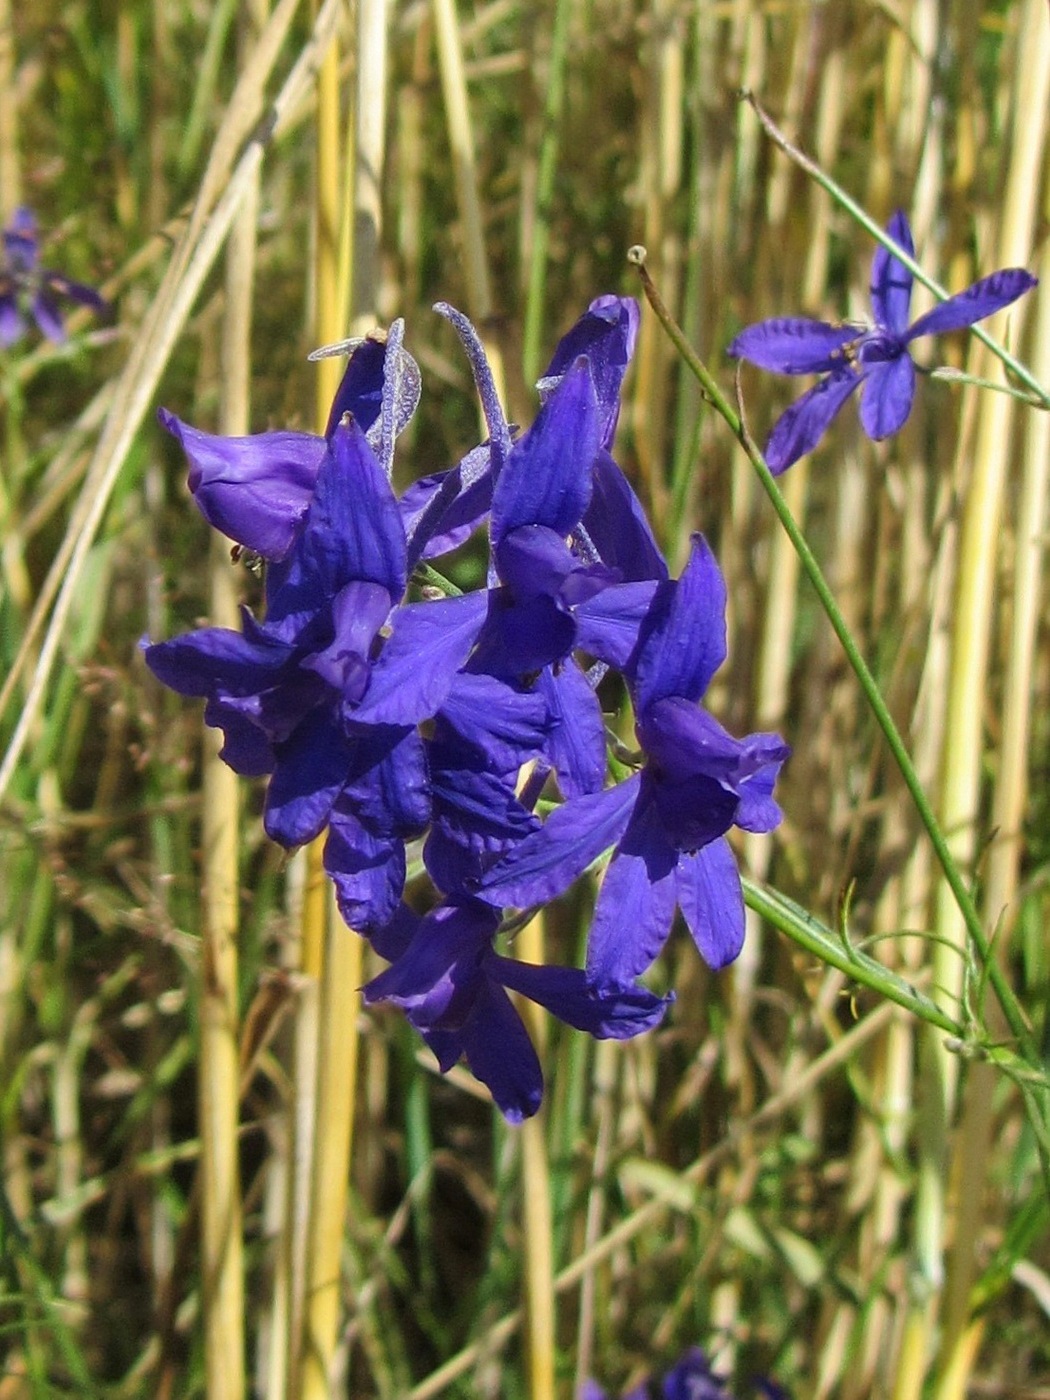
[874, 359]
[29, 290]
[690, 1378]
[386, 715]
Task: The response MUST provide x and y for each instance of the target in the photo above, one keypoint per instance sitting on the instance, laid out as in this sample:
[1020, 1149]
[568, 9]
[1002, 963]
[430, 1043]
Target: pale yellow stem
[335, 952]
[464, 161]
[537, 1225]
[959, 1339]
[10, 166]
[965, 756]
[218, 1085]
[336, 1079]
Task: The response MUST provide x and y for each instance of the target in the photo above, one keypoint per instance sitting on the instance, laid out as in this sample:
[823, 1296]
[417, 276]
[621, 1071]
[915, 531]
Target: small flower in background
[690, 1378]
[852, 356]
[27, 289]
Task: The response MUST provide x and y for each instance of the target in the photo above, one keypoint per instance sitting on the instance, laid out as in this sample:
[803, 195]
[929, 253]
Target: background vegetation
[791, 1171]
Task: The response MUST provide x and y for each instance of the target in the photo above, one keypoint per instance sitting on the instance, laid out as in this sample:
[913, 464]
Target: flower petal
[534, 559]
[436, 979]
[61, 285]
[415, 670]
[684, 639]
[607, 625]
[576, 745]
[354, 529]
[983, 299]
[793, 345]
[502, 725]
[440, 512]
[712, 903]
[887, 396]
[799, 429]
[201, 663]
[309, 772]
[616, 1013]
[547, 478]
[501, 1055]
[891, 282]
[617, 526]
[256, 490]
[368, 872]
[636, 903]
[546, 863]
[519, 638]
[606, 333]
[476, 818]
[48, 317]
[361, 388]
[12, 326]
[386, 781]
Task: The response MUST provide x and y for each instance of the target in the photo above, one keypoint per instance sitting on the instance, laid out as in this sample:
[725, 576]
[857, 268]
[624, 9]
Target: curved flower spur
[875, 359]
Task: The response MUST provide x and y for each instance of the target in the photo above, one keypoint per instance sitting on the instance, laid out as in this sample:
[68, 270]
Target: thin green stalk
[839, 952]
[1011, 1007]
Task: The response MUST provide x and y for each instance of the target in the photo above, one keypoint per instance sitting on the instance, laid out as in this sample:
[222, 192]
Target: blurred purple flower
[876, 357]
[24, 284]
[690, 1378]
[453, 987]
[667, 822]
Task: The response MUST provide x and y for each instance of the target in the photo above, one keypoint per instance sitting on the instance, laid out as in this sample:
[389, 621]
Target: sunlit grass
[763, 1174]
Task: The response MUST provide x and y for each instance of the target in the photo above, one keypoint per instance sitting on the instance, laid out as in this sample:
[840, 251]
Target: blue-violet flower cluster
[384, 715]
[874, 359]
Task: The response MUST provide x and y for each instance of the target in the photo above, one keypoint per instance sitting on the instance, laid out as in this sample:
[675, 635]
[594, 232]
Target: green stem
[1004, 992]
[816, 938]
[862, 217]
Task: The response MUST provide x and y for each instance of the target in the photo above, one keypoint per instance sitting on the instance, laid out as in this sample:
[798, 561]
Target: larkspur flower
[690, 1378]
[257, 489]
[26, 288]
[874, 359]
[667, 822]
[286, 691]
[613, 521]
[453, 987]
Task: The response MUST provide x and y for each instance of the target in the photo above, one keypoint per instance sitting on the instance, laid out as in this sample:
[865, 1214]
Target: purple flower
[876, 357]
[556, 595]
[257, 489]
[287, 692]
[25, 284]
[453, 503]
[667, 822]
[453, 987]
[690, 1378]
